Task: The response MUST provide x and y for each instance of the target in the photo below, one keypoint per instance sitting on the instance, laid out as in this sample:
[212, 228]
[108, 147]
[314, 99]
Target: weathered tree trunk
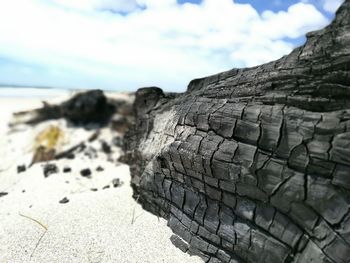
[253, 165]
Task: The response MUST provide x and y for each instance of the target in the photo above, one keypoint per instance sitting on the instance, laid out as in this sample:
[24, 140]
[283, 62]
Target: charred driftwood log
[253, 165]
[85, 107]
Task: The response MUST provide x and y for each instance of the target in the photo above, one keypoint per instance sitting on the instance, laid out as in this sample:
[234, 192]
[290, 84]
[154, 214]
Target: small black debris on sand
[21, 168]
[67, 169]
[85, 172]
[49, 169]
[94, 189]
[23, 191]
[94, 136]
[105, 147]
[116, 182]
[3, 194]
[105, 187]
[100, 169]
[64, 200]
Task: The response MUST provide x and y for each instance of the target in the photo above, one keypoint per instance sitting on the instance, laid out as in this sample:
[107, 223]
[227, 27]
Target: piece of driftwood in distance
[83, 108]
[69, 151]
[47, 112]
[72, 149]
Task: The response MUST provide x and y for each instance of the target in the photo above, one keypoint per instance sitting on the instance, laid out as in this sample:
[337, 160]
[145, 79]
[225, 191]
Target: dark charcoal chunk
[49, 169]
[3, 194]
[85, 172]
[106, 148]
[21, 168]
[67, 169]
[99, 169]
[64, 200]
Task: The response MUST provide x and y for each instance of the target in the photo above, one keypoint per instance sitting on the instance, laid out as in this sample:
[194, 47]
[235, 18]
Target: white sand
[92, 226]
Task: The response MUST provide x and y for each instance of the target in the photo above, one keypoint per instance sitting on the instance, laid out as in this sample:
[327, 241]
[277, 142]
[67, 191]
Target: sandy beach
[67, 217]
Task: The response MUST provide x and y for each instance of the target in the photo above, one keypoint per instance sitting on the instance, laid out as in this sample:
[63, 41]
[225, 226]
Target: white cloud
[163, 43]
[331, 5]
[90, 5]
[299, 18]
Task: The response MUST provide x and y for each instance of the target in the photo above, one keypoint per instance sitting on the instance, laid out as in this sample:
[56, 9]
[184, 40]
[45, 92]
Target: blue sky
[127, 44]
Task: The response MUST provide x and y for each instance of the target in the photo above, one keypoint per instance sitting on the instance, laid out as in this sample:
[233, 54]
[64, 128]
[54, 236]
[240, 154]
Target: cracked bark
[253, 165]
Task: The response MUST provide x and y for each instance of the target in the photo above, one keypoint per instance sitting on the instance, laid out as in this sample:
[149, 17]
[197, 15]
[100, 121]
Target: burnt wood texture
[253, 165]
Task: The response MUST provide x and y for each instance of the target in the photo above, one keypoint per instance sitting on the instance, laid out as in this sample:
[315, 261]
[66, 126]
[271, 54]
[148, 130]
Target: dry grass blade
[42, 235]
[34, 220]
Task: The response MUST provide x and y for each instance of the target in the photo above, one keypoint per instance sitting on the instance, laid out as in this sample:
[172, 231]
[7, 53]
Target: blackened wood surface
[253, 165]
